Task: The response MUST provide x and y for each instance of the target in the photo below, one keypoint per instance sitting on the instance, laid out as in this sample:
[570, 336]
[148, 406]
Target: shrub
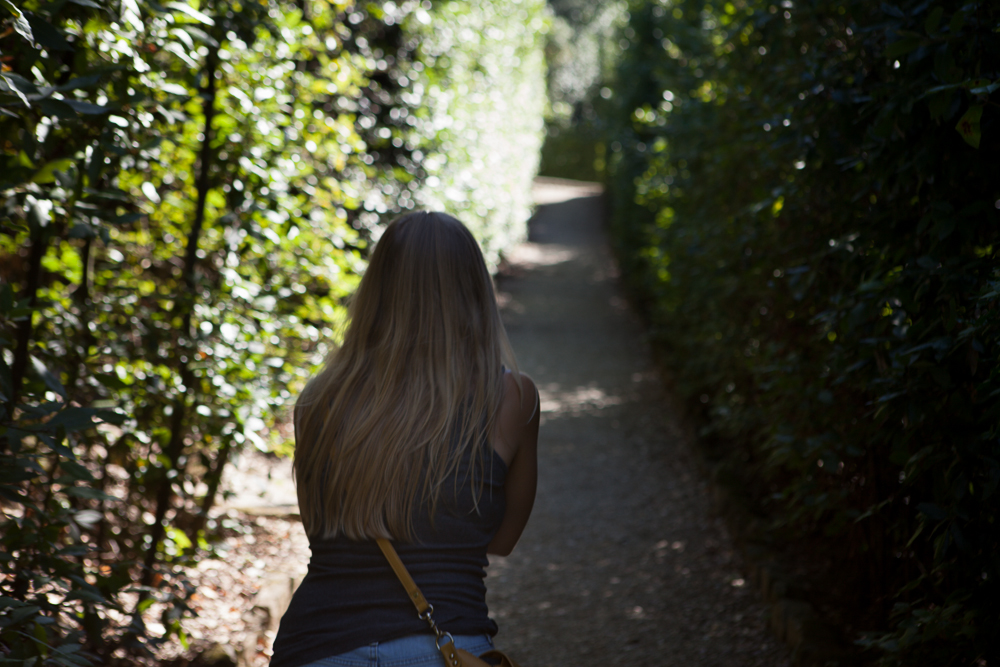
[806, 205]
[188, 196]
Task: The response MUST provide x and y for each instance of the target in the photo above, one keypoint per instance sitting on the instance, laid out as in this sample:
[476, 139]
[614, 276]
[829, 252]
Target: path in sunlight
[621, 563]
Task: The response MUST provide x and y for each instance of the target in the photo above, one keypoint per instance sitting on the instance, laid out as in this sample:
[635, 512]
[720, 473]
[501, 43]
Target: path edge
[794, 621]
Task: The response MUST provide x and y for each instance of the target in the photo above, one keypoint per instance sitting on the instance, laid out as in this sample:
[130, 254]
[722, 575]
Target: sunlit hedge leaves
[482, 92]
[188, 196]
[806, 201]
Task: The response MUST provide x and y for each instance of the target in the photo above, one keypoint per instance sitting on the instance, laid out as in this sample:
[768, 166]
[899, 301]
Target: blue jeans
[412, 651]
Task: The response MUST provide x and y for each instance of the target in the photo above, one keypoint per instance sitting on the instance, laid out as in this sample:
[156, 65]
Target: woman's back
[350, 596]
[415, 432]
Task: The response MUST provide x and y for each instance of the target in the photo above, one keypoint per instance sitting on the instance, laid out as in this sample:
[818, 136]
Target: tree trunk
[39, 244]
[184, 305]
[214, 481]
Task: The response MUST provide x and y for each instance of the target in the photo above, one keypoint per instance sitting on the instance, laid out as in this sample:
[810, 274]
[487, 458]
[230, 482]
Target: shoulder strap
[453, 656]
[418, 599]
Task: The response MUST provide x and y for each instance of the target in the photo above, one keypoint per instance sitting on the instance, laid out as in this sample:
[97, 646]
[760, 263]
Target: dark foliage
[805, 201]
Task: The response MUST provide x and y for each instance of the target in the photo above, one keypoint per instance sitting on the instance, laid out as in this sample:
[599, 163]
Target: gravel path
[622, 562]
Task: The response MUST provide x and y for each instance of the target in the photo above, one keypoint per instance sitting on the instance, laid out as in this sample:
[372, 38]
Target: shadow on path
[621, 562]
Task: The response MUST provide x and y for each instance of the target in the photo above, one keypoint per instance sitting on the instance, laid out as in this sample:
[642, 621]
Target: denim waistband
[411, 651]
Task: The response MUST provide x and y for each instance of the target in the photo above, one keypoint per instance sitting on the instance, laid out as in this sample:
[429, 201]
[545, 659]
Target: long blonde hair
[420, 369]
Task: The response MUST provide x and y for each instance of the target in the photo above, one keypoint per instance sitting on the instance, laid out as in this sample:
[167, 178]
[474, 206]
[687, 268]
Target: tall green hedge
[483, 86]
[187, 197]
[806, 202]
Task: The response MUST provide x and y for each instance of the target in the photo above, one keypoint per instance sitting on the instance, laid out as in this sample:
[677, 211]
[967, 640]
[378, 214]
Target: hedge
[188, 195]
[805, 200]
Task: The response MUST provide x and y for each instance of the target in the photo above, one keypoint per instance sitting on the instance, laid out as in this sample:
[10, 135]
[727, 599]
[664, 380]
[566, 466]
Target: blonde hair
[417, 383]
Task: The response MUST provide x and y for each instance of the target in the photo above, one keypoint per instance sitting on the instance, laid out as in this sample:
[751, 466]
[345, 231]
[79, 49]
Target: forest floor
[623, 561]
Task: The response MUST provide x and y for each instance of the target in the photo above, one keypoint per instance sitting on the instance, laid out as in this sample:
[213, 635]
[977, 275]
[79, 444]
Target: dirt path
[622, 562]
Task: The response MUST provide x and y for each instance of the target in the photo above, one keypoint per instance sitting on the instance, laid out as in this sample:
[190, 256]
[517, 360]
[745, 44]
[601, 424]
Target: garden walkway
[622, 562]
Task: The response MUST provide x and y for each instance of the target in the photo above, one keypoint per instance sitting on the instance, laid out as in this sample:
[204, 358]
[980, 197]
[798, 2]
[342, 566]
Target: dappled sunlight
[535, 255]
[240, 595]
[547, 190]
[589, 399]
[260, 483]
[620, 542]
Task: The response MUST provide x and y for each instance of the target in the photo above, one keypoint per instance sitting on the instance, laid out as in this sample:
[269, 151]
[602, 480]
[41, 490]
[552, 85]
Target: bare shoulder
[517, 442]
[518, 410]
[520, 401]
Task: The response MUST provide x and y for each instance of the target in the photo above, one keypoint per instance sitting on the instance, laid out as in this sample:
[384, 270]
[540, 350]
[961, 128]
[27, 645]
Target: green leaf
[933, 21]
[8, 602]
[191, 11]
[968, 125]
[111, 416]
[9, 86]
[984, 87]
[74, 419]
[70, 660]
[937, 89]
[47, 173]
[179, 538]
[80, 594]
[21, 84]
[88, 493]
[901, 47]
[200, 35]
[892, 10]
[77, 472]
[87, 518]
[12, 476]
[6, 298]
[57, 108]
[87, 3]
[22, 160]
[79, 82]
[174, 89]
[958, 20]
[939, 104]
[932, 511]
[110, 380]
[21, 25]
[40, 633]
[18, 615]
[48, 377]
[87, 108]
[82, 230]
[48, 35]
[126, 218]
[113, 195]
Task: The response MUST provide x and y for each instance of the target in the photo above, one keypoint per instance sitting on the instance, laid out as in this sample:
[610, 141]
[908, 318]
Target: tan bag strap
[443, 640]
[453, 656]
[418, 599]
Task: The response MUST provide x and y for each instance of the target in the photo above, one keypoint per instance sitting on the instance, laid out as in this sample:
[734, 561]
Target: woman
[415, 431]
